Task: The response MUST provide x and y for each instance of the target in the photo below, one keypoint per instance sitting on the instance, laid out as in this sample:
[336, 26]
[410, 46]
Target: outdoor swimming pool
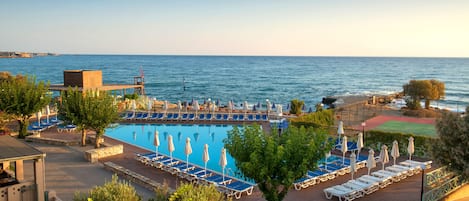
[142, 135]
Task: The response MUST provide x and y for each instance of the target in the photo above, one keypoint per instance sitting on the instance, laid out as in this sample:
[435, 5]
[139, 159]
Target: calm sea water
[255, 79]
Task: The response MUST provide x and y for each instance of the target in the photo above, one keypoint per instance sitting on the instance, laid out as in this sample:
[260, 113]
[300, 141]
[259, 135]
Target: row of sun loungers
[35, 127]
[191, 116]
[368, 184]
[225, 184]
[328, 171]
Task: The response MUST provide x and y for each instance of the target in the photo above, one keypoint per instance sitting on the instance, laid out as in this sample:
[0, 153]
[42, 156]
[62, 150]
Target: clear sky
[425, 28]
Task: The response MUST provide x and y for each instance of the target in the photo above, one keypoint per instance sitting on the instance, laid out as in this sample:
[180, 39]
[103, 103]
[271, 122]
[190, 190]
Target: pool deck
[408, 189]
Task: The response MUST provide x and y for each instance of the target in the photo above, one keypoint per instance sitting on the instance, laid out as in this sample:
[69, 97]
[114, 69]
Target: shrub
[296, 106]
[189, 191]
[131, 96]
[114, 190]
[319, 119]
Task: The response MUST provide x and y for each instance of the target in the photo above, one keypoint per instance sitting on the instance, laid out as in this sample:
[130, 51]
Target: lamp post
[423, 178]
[364, 136]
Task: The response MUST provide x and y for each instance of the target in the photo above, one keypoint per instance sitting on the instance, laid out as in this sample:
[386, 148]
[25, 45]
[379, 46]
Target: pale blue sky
[311, 28]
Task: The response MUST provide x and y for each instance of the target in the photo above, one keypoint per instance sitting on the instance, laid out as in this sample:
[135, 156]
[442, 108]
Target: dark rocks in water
[328, 100]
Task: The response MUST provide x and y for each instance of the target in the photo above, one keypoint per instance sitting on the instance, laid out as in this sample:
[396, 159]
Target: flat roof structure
[13, 149]
[93, 80]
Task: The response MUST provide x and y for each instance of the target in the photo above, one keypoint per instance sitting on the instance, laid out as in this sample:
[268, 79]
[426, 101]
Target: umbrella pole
[187, 162]
[205, 169]
[383, 166]
[394, 161]
[368, 171]
[223, 175]
[343, 159]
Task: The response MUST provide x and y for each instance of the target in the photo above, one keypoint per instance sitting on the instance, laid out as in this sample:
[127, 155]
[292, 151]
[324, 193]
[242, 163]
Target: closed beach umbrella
[165, 105]
[47, 113]
[383, 155]
[410, 147]
[39, 115]
[310, 110]
[328, 154]
[359, 143]
[267, 105]
[254, 108]
[279, 110]
[206, 157]
[156, 142]
[179, 106]
[245, 107]
[230, 106]
[149, 105]
[170, 146]
[371, 163]
[340, 129]
[196, 106]
[133, 105]
[188, 151]
[395, 151]
[258, 105]
[288, 106]
[223, 162]
[303, 108]
[353, 164]
[273, 106]
[344, 148]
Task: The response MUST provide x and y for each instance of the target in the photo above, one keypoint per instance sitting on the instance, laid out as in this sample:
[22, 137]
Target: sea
[257, 78]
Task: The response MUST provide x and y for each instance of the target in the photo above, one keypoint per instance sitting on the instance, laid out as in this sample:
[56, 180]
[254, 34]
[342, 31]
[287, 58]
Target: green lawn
[407, 127]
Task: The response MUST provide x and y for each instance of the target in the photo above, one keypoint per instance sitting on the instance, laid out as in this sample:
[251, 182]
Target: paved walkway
[68, 172]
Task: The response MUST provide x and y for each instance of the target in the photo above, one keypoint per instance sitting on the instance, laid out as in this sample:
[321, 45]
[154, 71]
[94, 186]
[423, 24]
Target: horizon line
[234, 55]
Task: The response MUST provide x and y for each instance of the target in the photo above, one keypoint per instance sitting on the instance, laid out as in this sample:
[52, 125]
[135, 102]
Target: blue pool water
[142, 135]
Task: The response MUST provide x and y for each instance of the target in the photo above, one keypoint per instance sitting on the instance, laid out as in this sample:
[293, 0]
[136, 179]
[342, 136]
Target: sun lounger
[250, 117]
[265, 117]
[406, 172]
[342, 193]
[198, 175]
[258, 117]
[190, 175]
[322, 175]
[153, 116]
[339, 169]
[202, 116]
[235, 117]
[184, 116]
[241, 117]
[169, 116]
[191, 117]
[138, 115]
[382, 181]
[236, 189]
[208, 116]
[218, 117]
[366, 188]
[215, 179]
[141, 116]
[305, 182]
[175, 116]
[226, 117]
[130, 115]
[427, 164]
[396, 177]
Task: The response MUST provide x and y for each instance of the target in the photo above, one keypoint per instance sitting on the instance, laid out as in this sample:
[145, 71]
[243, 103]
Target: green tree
[114, 190]
[296, 106]
[189, 191]
[275, 162]
[451, 149]
[426, 89]
[88, 111]
[319, 119]
[21, 97]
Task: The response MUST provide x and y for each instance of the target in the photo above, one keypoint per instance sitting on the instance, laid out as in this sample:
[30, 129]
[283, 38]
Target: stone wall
[94, 155]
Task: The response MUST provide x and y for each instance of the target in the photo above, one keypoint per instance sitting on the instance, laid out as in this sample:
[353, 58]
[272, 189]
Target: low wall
[134, 177]
[39, 139]
[94, 155]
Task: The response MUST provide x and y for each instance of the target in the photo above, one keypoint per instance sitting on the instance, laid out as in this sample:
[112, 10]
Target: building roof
[13, 149]
[109, 87]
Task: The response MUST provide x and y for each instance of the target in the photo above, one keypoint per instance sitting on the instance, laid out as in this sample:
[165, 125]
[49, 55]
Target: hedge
[375, 139]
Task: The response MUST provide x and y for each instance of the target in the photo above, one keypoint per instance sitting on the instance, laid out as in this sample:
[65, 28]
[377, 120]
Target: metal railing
[441, 183]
